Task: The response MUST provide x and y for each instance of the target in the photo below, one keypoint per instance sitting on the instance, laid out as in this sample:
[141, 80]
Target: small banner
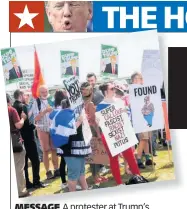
[11, 67]
[109, 61]
[69, 63]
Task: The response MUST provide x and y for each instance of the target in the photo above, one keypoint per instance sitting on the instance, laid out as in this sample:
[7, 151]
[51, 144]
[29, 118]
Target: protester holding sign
[74, 154]
[59, 96]
[109, 99]
[144, 138]
[87, 92]
[72, 87]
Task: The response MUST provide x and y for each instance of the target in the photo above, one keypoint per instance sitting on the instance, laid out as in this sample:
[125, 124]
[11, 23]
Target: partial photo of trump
[69, 16]
[15, 72]
[73, 69]
[112, 67]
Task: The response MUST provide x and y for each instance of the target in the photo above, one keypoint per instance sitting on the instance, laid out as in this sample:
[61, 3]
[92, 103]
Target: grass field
[164, 170]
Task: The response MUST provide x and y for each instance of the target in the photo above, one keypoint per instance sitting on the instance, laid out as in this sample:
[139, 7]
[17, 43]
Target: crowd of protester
[31, 121]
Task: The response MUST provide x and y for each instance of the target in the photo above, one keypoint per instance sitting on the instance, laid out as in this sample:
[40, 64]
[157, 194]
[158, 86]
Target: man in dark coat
[73, 69]
[112, 67]
[15, 72]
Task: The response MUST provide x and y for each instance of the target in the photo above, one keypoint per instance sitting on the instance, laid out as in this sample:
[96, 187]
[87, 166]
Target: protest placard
[117, 128]
[28, 76]
[151, 68]
[146, 107]
[86, 129]
[109, 61]
[69, 63]
[74, 94]
[99, 154]
[11, 67]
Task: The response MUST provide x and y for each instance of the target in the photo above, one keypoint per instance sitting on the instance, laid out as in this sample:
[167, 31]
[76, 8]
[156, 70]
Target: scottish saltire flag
[102, 106]
[63, 125]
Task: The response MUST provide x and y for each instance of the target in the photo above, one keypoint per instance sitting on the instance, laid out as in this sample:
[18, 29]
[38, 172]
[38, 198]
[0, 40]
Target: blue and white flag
[63, 125]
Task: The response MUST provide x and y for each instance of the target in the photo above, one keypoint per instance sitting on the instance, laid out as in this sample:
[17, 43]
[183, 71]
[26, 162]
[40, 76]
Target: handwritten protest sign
[74, 94]
[151, 67]
[99, 154]
[109, 61]
[117, 128]
[26, 83]
[11, 67]
[69, 63]
[86, 129]
[146, 107]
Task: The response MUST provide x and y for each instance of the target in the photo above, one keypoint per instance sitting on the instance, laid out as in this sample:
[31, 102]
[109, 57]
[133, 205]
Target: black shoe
[141, 165]
[155, 155]
[29, 185]
[26, 194]
[39, 185]
[149, 162]
[49, 175]
[165, 144]
[56, 173]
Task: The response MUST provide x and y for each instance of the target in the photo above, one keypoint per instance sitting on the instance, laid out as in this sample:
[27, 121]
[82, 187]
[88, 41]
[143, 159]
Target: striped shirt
[44, 123]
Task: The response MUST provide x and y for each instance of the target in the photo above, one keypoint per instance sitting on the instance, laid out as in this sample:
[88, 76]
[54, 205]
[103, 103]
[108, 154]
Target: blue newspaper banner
[125, 16]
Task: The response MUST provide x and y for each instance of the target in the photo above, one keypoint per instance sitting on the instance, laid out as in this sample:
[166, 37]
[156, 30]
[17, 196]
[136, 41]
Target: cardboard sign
[117, 128]
[86, 129]
[146, 108]
[74, 94]
[99, 154]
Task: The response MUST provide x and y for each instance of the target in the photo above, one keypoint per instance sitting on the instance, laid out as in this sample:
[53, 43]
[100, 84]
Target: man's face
[92, 81]
[113, 60]
[137, 80]
[44, 93]
[22, 98]
[73, 64]
[69, 16]
[27, 98]
[86, 92]
[15, 65]
[110, 90]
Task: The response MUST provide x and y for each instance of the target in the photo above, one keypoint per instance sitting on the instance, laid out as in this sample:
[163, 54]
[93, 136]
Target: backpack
[136, 179]
[38, 103]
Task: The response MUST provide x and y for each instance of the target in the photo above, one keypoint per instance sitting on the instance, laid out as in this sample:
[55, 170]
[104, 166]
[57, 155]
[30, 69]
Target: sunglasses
[112, 89]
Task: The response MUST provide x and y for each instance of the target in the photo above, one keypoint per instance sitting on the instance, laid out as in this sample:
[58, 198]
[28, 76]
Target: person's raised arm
[38, 115]
[79, 121]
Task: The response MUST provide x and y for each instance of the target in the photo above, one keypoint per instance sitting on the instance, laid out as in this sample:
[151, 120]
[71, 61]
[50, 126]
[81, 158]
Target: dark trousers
[63, 170]
[32, 155]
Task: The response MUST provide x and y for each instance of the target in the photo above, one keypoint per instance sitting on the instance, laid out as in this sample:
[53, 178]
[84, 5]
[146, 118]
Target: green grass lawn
[164, 170]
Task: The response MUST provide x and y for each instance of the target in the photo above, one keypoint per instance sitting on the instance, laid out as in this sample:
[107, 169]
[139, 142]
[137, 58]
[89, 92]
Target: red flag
[26, 16]
[38, 77]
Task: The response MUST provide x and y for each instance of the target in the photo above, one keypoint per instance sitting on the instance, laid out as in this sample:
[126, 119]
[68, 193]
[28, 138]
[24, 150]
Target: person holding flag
[41, 110]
